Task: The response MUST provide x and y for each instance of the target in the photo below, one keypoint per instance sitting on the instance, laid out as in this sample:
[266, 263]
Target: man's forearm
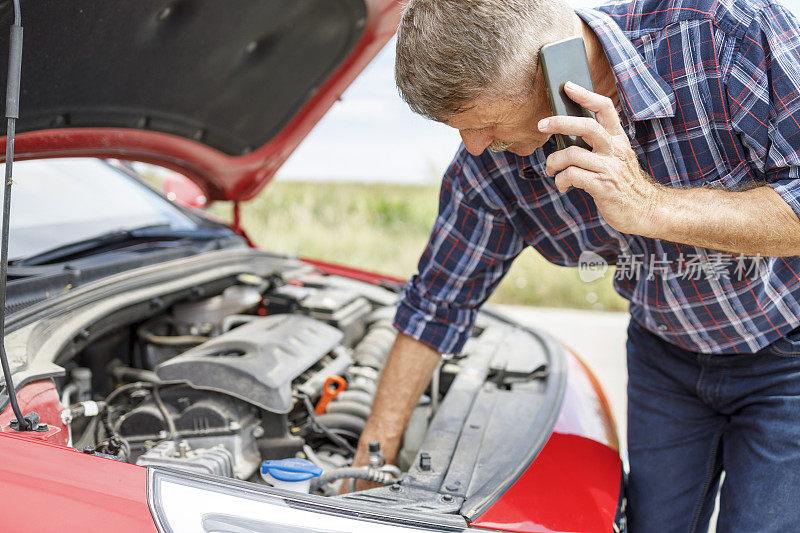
[753, 222]
[405, 376]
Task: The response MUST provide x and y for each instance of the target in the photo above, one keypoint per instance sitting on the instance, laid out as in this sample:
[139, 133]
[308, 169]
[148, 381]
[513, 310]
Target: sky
[372, 136]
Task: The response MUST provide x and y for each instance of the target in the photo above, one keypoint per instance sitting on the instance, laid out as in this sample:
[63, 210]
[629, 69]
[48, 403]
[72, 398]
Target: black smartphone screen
[564, 61]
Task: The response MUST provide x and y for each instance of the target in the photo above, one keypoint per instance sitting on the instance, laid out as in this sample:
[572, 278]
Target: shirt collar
[643, 93]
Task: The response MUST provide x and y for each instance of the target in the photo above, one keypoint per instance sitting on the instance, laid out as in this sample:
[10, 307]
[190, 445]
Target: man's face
[494, 124]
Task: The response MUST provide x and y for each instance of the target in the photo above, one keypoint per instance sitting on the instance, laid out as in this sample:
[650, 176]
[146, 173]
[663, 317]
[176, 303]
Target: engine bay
[222, 384]
[269, 378]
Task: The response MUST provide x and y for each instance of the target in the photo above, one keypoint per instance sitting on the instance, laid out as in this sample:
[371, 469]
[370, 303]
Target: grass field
[384, 228]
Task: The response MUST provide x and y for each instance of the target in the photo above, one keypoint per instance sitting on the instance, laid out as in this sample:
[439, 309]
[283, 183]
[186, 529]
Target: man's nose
[476, 142]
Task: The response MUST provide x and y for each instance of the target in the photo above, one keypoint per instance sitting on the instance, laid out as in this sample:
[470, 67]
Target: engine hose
[374, 347]
[312, 455]
[66, 394]
[357, 396]
[135, 374]
[91, 433]
[363, 384]
[346, 422]
[144, 332]
[350, 408]
[174, 340]
[356, 472]
[335, 438]
[86, 409]
[173, 431]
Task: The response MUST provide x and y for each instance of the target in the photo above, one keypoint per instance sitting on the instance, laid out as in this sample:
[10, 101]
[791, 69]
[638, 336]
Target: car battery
[343, 309]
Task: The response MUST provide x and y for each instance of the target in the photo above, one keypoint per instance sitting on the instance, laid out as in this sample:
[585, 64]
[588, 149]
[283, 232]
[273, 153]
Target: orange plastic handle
[333, 386]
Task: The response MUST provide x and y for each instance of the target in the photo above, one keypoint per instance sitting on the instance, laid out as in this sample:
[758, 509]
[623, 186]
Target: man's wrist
[671, 214]
[656, 212]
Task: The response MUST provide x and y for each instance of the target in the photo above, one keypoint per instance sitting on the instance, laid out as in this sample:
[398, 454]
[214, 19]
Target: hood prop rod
[29, 422]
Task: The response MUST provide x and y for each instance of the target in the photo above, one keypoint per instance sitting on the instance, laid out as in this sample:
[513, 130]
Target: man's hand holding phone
[609, 171]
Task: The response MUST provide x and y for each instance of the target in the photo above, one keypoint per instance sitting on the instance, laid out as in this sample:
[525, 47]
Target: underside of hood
[221, 91]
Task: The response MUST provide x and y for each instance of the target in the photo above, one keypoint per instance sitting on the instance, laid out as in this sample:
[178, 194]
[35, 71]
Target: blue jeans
[692, 416]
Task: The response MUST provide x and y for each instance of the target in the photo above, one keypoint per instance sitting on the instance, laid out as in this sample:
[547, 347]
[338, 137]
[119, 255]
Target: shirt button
[662, 327]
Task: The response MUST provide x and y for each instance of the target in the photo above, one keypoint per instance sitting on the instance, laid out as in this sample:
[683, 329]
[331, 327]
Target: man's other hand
[625, 195]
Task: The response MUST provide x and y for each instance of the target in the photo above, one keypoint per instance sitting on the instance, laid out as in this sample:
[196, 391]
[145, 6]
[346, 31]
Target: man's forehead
[477, 116]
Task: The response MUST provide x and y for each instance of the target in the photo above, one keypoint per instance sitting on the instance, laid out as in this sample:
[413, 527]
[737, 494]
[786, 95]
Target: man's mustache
[499, 146]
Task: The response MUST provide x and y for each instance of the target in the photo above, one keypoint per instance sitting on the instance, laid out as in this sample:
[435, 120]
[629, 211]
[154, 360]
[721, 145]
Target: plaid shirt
[710, 97]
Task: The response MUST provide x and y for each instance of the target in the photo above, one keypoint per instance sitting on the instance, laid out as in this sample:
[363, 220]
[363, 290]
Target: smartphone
[564, 61]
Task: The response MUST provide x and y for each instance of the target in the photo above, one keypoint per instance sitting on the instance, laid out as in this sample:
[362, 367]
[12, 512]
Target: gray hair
[450, 52]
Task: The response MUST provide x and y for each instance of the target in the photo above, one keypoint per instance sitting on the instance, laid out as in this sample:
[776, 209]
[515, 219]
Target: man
[695, 162]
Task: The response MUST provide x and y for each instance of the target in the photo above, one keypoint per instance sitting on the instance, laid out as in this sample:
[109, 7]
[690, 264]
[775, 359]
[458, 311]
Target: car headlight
[184, 503]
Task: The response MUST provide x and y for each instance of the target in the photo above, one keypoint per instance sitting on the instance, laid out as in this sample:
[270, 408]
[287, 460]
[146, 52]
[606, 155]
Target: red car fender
[574, 483]
[46, 486]
[39, 396]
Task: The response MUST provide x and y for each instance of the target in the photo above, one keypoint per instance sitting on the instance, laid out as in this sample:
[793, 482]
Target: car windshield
[55, 202]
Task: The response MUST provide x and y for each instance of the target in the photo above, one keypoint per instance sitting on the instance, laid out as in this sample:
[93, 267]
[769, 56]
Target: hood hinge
[236, 225]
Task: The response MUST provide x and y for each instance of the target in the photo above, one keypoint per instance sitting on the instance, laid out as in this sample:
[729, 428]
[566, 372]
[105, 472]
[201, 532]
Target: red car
[180, 374]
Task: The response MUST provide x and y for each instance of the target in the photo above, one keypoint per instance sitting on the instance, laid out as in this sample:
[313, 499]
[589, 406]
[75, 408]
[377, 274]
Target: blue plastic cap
[290, 469]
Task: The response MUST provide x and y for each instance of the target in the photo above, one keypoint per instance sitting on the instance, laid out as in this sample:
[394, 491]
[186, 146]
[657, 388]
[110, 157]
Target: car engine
[220, 384]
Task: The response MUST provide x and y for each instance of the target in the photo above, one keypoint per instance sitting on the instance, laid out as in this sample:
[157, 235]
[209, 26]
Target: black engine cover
[196, 414]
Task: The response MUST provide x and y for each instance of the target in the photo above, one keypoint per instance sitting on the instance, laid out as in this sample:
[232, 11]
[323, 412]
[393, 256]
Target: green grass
[384, 228]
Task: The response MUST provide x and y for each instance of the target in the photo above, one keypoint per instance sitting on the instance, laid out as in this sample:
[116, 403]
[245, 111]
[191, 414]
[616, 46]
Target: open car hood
[219, 91]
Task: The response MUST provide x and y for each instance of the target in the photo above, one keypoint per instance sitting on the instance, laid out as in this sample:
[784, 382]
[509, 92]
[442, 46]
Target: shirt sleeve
[764, 98]
[470, 249]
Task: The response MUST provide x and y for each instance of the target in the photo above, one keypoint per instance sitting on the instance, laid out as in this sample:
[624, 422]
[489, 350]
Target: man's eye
[481, 128]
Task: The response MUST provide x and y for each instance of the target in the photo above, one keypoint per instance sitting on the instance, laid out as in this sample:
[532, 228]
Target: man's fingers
[587, 128]
[362, 484]
[573, 156]
[575, 177]
[602, 106]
